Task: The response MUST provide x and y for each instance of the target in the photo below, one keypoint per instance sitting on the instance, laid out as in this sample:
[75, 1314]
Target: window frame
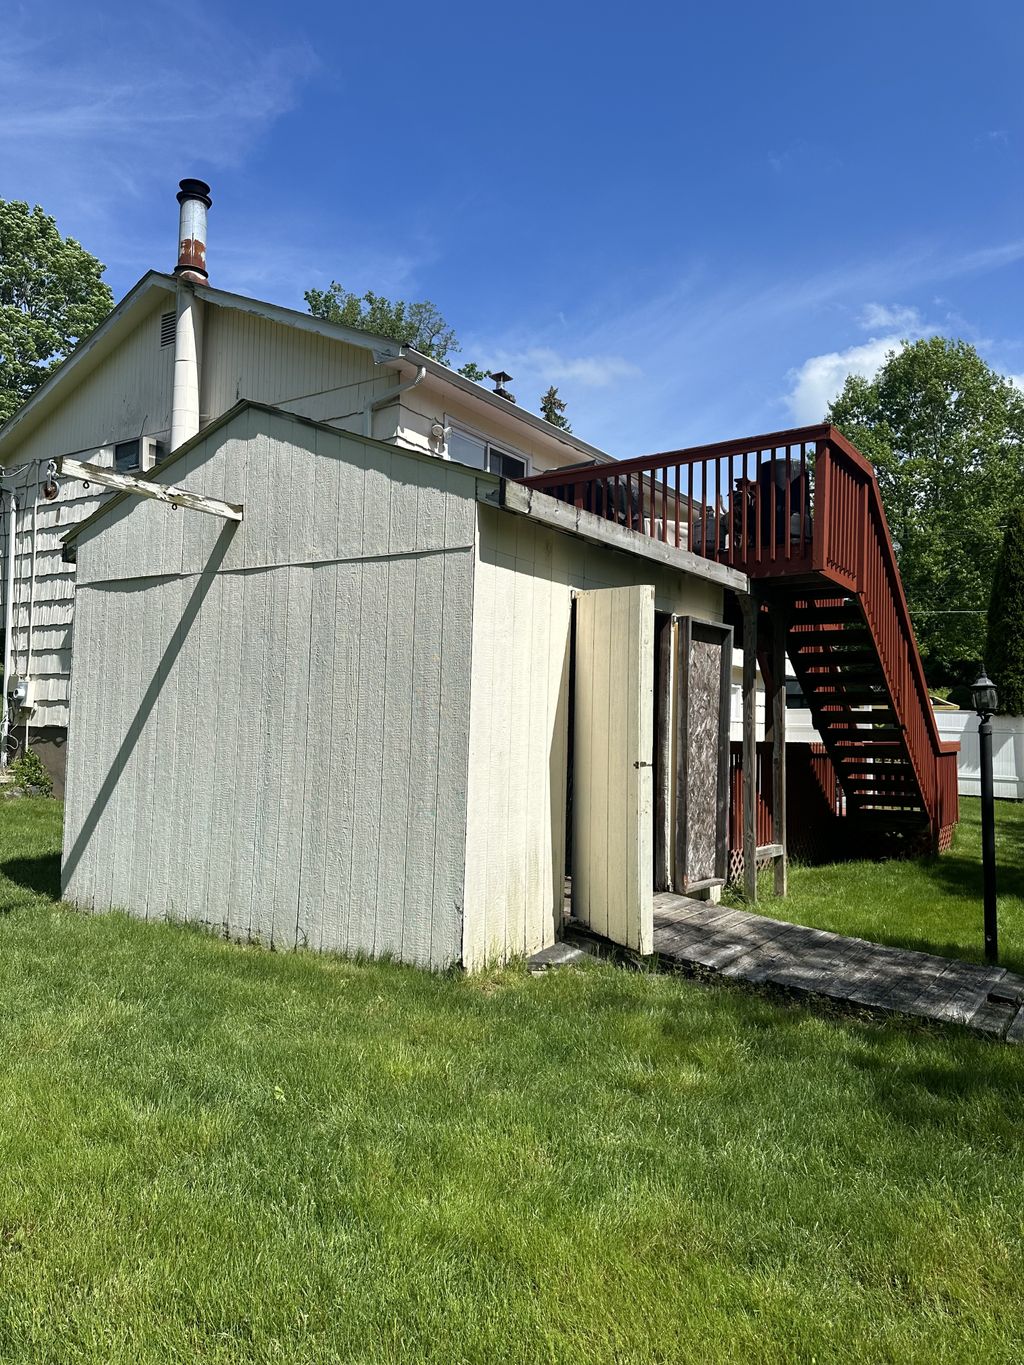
[501, 448]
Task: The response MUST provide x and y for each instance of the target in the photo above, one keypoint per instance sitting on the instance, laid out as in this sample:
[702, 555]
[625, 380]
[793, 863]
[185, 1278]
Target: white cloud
[590, 371]
[877, 317]
[817, 381]
[98, 106]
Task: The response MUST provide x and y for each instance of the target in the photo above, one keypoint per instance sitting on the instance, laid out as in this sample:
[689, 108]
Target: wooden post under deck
[781, 861]
[748, 607]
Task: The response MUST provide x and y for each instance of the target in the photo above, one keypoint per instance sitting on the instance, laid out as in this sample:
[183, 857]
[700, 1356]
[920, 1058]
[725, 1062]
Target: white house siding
[268, 729]
[129, 396]
[247, 356]
[515, 843]
[426, 404]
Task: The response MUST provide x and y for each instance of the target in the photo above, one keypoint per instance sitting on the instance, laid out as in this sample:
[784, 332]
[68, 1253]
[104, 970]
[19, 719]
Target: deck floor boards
[747, 947]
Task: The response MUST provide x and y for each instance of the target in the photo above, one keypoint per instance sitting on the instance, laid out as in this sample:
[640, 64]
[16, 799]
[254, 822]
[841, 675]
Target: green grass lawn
[217, 1153]
[933, 904]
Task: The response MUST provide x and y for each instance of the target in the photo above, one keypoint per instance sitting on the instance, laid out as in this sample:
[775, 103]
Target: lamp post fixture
[985, 702]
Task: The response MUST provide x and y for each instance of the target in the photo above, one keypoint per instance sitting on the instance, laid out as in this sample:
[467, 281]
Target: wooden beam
[748, 607]
[779, 626]
[146, 488]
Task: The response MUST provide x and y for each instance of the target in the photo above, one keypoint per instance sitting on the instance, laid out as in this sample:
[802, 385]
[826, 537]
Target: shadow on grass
[41, 875]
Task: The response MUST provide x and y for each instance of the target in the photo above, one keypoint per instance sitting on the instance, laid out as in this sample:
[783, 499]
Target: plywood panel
[612, 830]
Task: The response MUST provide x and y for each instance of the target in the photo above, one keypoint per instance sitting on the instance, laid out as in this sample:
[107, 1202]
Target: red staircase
[800, 513]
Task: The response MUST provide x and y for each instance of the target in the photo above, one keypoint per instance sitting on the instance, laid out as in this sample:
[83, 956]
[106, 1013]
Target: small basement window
[126, 456]
[467, 448]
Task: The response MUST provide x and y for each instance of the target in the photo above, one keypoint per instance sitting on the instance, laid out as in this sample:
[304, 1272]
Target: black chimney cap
[194, 189]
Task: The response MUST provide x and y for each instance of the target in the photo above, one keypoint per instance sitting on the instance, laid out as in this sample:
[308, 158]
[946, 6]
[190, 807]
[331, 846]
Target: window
[795, 698]
[126, 456]
[466, 448]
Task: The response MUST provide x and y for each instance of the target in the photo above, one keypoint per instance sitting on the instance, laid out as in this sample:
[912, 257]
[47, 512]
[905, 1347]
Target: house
[372, 660]
[173, 356]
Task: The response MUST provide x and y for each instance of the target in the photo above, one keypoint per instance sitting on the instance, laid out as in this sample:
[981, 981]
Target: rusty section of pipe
[194, 200]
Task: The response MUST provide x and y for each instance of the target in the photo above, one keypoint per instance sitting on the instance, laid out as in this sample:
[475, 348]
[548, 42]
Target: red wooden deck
[801, 514]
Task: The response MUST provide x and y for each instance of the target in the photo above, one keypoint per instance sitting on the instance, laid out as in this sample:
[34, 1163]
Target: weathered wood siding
[515, 842]
[129, 396]
[269, 731]
[613, 815]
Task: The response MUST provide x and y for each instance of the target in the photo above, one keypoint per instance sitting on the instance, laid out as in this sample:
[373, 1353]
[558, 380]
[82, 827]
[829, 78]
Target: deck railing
[801, 503]
[744, 503]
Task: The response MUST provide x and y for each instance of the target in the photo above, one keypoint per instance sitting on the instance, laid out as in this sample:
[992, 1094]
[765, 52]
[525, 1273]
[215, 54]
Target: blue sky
[694, 219]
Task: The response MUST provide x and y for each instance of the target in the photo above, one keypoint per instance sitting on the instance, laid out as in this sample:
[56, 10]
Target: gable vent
[167, 329]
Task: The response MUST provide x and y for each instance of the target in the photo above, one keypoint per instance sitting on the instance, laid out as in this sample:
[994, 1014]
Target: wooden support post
[779, 627]
[145, 488]
[748, 607]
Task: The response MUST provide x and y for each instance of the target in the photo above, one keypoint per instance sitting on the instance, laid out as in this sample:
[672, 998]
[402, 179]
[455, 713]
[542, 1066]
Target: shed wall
[270, 738]
[519, 709]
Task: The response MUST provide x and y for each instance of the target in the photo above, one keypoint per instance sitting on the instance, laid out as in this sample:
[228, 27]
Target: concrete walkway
[749, 947]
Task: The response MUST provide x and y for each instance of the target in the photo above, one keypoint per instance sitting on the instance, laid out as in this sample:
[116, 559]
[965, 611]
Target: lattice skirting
[736, 866]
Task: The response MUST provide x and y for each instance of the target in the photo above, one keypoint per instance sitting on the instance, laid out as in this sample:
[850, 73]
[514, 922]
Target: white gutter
[386, 398]
[12, 532]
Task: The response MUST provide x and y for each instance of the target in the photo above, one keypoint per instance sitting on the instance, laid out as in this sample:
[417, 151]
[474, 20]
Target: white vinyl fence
[1007, 752]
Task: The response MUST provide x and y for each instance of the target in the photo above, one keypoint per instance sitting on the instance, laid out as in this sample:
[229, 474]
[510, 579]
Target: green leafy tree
[52, 295]
[945, 433]
[553, 409]
[419, 325]
[473, 371]
[1004, 647]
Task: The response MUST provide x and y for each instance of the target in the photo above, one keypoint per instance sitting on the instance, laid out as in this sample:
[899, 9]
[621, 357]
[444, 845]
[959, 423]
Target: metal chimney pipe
[194, 199]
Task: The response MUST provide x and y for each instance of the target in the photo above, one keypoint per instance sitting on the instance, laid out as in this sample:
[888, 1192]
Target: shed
[391, 708]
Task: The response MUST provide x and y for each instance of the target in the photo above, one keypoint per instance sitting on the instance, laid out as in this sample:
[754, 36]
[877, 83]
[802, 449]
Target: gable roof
[108, 504]
[500, 493]
[126, 315]
[143, 297]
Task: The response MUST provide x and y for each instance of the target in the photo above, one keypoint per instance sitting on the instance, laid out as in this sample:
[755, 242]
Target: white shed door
[613, 741]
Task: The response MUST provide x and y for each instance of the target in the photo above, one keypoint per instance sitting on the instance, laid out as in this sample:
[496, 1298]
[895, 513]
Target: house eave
[492, 403]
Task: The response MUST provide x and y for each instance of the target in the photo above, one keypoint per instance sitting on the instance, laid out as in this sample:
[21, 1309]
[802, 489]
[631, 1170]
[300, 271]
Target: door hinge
[641, 763]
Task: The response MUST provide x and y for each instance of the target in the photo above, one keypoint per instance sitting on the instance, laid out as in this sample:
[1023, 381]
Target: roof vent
[166, 329]
[500, 380]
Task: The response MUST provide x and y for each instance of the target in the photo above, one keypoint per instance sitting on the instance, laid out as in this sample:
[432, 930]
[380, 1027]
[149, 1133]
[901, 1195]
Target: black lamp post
[985, 702]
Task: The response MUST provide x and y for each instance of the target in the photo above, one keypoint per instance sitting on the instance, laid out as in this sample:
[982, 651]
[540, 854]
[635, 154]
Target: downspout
[194, 201]
[386, 398]
[12, 532]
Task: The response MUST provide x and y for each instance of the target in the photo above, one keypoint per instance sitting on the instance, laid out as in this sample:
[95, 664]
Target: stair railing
[852, 545]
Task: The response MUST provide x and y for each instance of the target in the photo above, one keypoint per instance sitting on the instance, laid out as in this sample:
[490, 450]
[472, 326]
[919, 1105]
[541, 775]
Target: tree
[553, 409]
[419, 325]
[946, 436]
[1004, 647]
[471, 370]
[52, 295]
